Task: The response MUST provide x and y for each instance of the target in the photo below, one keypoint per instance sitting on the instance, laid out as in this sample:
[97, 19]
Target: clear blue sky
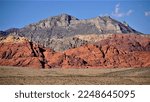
[18, 13]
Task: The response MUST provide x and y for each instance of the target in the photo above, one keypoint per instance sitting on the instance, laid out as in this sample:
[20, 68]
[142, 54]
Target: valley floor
[57, 76]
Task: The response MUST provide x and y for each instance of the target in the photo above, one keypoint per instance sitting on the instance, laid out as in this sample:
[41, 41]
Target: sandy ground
[57, 76]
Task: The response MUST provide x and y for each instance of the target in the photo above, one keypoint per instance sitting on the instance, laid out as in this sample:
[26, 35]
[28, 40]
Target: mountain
[61, 32]
[64, 41]
[65, 25]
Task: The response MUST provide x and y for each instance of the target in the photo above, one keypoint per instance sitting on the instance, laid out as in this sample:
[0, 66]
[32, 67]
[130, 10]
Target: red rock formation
[121, 50]
[117, 51]
[23, 54]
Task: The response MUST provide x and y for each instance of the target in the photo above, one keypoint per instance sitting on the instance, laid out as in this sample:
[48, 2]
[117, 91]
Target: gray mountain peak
[58, 32]
[61, 20]
[66, 25]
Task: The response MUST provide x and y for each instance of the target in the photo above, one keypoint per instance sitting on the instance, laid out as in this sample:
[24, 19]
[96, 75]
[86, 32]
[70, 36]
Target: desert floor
[58, 76]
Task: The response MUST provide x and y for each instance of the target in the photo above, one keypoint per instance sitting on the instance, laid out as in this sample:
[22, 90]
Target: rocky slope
[117, 51]
[17, 51]
[64, 29]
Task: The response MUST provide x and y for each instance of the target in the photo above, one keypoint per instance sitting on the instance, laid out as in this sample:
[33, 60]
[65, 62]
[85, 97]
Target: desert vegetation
[60, 76]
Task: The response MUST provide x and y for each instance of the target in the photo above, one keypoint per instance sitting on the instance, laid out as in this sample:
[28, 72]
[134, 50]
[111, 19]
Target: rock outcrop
[18, 51]
[117, 51]
[13, 39]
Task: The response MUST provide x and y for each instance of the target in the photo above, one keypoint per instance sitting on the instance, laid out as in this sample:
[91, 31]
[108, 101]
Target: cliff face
[119, 50]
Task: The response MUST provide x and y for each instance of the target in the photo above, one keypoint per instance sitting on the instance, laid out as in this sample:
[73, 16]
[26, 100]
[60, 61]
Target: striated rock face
[116, 51]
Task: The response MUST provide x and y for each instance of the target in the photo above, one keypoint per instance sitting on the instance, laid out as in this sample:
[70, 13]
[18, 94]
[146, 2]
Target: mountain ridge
[54, 31]
[67, 19]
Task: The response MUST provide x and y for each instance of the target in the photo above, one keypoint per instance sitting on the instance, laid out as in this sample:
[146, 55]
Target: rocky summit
[59, 32]
[64, 41]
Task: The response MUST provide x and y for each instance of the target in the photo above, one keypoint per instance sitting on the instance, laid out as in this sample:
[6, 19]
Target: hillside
[115, 51]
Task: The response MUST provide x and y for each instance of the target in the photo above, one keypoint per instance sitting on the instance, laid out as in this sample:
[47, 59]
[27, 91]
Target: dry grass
[15, 75]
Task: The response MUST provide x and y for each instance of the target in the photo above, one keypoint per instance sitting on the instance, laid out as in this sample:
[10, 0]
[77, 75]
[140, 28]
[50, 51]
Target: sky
[19, 13]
